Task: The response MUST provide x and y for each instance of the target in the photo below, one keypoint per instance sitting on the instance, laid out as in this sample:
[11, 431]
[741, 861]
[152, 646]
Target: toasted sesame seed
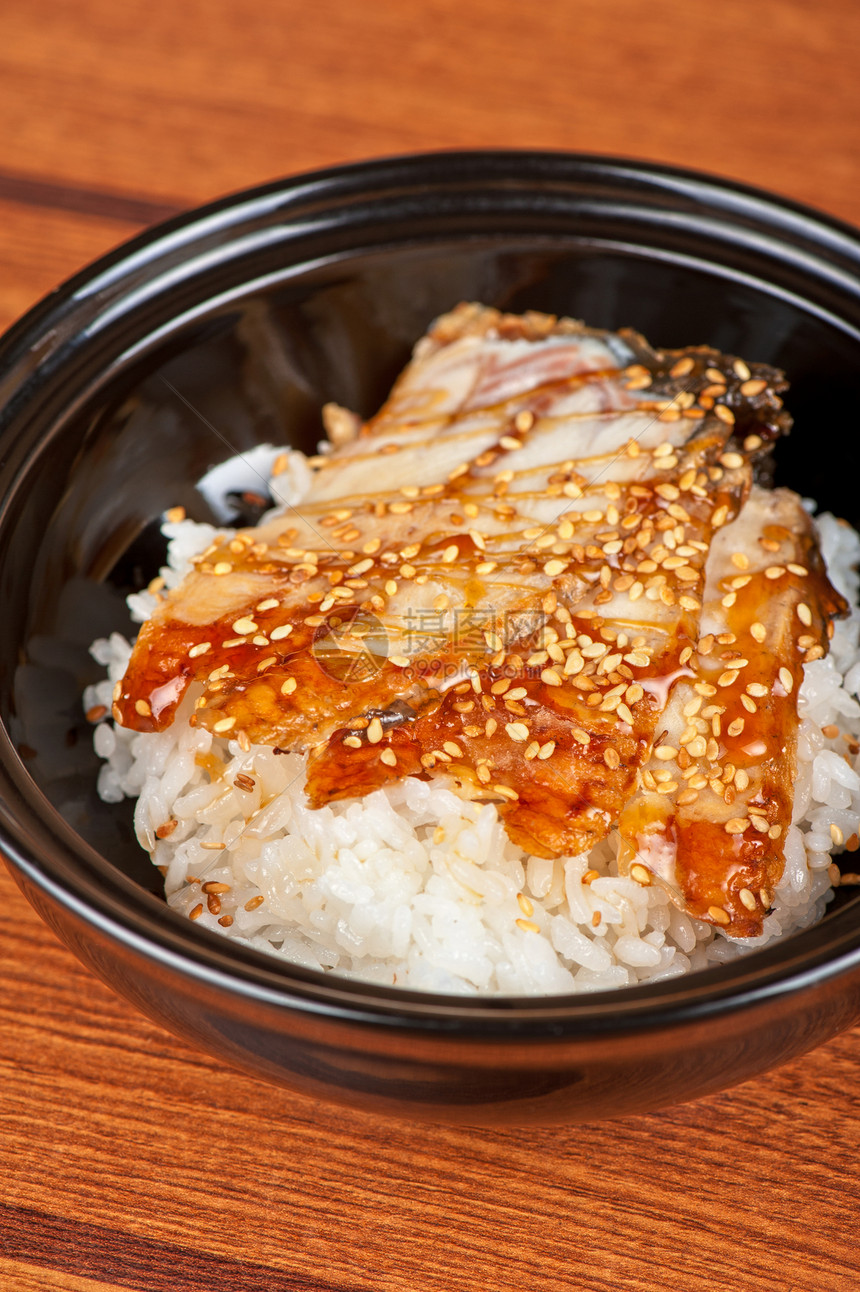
[546, 750]
[288, 686]
[352, 742]
[719, 915]
[665, 753]
[728, 678]
[725, 414]
[224, 724]
[736, 825]
[143, 708]
[506, 792]
[374, 731]
[641, 875]
[517, 731]
[552, 568]
[528, 926]
[222, 567]
[244, 626]
[254, 902]
[196, 912]
[388, 757]
[550, 677]
[452, 748]
[753, 387]
[510, 442]
[278, 634]
[787, 680]
[732, 461]
[213, 845]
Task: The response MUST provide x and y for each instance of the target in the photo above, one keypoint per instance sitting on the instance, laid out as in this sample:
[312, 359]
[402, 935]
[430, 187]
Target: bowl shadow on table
[263, 345]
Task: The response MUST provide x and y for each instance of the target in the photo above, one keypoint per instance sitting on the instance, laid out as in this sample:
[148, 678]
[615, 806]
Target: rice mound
[416, 887]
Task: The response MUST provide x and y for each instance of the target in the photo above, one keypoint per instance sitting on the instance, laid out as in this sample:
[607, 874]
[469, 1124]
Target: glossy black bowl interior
[232, 326]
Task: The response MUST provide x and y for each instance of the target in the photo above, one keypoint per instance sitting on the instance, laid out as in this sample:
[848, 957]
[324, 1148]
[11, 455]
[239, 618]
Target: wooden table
[129, 1160]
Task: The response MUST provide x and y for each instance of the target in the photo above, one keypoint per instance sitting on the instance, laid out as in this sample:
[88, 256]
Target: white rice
[414, 886]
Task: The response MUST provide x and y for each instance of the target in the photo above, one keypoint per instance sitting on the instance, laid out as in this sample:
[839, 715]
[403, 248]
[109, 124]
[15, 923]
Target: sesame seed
[361, 567]
[550, 677]
[142, 707]
[719, 915]
[528, 926]
[505, 791]
[546, 750]
[452, 748]
[741, 370]
[665, 753]
[724, 414]
[224, 724]
[754, 387]
[388, 757]
[732, 461]
[552, 568]
[517, 731]
[288, 686]
[510, 442]
[736, 825]
[244, 626]
[222, 567]
[196, 912]
[787, 680]
[352, 742]
[374, 731]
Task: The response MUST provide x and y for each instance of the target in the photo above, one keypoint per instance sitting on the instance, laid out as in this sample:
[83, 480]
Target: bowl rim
[37, 842]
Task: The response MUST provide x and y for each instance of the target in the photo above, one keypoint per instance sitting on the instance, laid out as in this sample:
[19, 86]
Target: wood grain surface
[130, 1160]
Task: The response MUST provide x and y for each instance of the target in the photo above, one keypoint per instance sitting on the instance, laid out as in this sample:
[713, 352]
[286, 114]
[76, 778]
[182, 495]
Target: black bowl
[232, 325]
